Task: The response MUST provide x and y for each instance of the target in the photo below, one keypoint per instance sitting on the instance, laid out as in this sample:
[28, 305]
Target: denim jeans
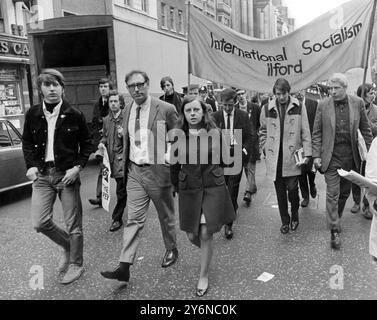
[45, 189]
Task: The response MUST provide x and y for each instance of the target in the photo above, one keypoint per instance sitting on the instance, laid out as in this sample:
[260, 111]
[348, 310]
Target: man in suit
[252, 110]
[147, 121]
[307, 176]
[112, 141]
[335, 146]
[100, 111]
[284, 130]
[232, 118]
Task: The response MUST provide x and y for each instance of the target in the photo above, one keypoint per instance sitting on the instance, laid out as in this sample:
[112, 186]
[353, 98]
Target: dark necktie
[137, 127]
[228, 121]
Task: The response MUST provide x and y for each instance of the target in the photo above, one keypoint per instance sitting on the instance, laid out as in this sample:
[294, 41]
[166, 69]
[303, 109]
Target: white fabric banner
[334, 42]
[106, 172]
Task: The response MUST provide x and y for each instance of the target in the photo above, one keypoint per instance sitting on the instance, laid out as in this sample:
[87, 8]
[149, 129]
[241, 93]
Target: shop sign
[14, 48]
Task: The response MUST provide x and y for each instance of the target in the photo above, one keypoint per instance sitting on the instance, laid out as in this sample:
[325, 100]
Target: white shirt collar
[115, 116]
[226, 114]
[145, 104]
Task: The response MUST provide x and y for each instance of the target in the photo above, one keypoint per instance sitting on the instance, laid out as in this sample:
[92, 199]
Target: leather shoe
[95, 202]
[294, 224]
[170, 258]
[117, 274]
[335, 240]
[355, 208]
[367, 214]
[116, 225]
[305, 202]
[201, 292]
[228, 232]
[284, 229]
[247, 197]
[313, 192]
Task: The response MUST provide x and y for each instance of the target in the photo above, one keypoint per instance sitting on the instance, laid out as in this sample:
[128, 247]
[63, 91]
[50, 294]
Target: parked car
[12, 164]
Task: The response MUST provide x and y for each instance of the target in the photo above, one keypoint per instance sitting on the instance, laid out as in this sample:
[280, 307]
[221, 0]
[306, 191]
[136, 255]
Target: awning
[14, 60]
[70, 23]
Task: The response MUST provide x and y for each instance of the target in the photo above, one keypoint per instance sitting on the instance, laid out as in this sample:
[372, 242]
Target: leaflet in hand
[358, 179]
[299, 157]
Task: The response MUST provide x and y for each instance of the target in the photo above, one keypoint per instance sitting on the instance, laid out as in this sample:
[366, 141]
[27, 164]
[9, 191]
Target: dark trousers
[284, 185]
[337, 192]
[99, 183]
[121, 192]
[307, 176]
[356, 191]
[233, 184]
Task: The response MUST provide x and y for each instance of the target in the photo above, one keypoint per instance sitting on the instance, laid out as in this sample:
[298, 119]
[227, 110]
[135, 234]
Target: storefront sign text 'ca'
[14, 48]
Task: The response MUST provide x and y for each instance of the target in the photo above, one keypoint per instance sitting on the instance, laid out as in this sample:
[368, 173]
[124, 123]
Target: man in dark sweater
[170, 95]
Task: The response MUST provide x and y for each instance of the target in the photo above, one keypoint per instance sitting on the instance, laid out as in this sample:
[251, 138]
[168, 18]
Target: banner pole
[371, 26]
[188, 45]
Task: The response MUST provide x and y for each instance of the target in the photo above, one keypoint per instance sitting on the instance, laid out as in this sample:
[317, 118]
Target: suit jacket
[253, 113]
[324, 129]
[311, 109]
[162, 118]
[240, 121]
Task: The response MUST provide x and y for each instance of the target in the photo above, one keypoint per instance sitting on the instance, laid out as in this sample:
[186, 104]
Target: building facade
[15, 79]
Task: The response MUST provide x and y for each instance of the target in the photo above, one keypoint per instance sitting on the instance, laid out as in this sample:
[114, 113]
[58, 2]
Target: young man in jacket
[284, 130]
[231, 119]
[112, 141]
[252, 110]
[100, 111]
[56, 146]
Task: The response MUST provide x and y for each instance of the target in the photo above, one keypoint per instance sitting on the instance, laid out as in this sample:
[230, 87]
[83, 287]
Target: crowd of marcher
[201, 155]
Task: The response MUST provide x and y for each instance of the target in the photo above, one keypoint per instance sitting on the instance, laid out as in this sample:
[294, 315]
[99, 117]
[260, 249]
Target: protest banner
[106, 172]
[334, 42]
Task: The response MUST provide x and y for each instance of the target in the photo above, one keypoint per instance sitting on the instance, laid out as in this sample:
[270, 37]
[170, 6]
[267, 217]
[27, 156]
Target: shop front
[15, 80]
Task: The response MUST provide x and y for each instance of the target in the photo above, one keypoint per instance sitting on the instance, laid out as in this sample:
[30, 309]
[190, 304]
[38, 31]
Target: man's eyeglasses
[138, 85]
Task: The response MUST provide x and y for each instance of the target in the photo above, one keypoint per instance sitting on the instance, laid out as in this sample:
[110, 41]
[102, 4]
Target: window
[141, 5]
[163, 15]
[144, 5]
[172, 19]
[180, 21]
[2, 27]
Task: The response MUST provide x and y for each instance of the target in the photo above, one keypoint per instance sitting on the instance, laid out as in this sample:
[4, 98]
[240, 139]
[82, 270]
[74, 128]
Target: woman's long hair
[207, 123]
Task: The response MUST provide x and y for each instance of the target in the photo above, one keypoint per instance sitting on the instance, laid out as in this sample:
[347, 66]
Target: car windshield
[8, 135]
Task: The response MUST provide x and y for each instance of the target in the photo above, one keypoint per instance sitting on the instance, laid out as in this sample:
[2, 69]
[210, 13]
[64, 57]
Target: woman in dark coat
[204, 201]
